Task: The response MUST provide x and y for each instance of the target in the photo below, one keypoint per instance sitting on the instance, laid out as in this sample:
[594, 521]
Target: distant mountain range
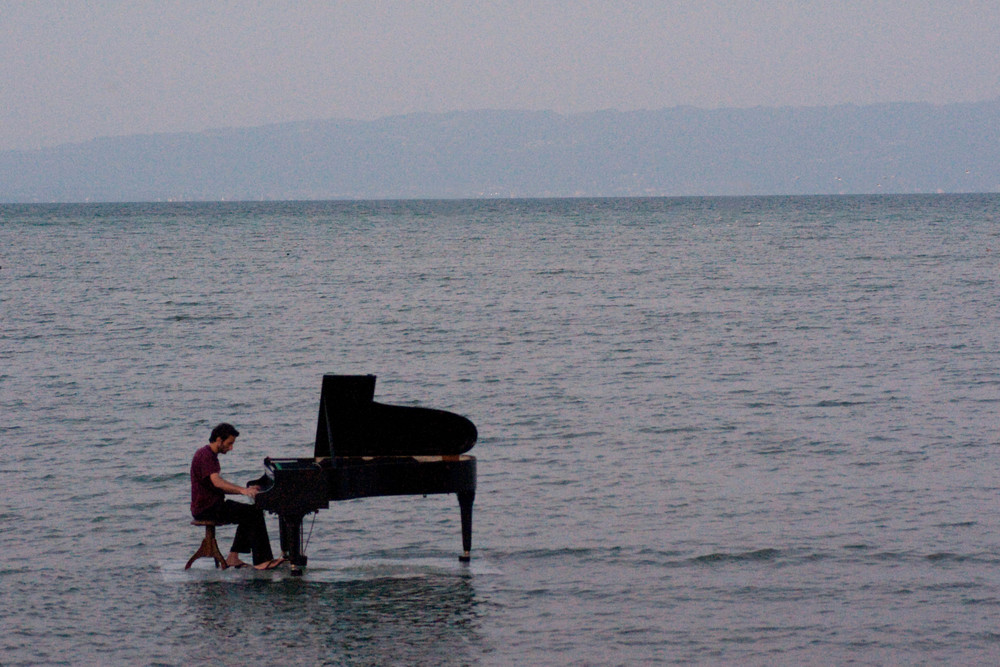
[891, 148]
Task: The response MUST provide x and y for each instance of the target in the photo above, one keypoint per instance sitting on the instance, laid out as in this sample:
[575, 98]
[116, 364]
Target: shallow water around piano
[330, 571]
[754, 431]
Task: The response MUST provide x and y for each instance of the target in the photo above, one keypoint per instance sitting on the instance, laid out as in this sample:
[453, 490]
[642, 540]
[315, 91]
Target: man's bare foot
[269, 565]
[234, 561]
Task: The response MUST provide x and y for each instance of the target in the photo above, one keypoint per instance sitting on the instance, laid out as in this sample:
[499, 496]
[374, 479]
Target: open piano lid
[352, 423]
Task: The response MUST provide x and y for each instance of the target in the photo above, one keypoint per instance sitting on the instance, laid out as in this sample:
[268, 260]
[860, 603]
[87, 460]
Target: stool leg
[220, 561]
[209, 547]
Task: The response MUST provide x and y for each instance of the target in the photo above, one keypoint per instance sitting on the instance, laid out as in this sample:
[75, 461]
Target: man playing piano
[208, 502]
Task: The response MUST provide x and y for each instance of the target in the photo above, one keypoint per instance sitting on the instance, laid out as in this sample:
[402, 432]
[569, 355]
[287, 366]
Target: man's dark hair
[223, 431]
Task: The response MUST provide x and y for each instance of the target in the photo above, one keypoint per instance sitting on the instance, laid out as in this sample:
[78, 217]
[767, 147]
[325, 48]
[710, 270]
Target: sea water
[734, 430]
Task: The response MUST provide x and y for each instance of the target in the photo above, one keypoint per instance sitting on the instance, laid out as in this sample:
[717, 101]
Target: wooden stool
[209, 547]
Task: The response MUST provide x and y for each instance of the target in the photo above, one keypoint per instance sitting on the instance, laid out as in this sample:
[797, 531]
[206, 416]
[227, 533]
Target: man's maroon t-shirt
[204, 494]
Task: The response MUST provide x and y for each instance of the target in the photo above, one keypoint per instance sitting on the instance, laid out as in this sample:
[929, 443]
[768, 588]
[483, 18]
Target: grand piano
[363, 449]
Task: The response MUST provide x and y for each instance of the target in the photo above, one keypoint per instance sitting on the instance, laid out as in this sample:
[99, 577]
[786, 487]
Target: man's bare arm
[229, 487]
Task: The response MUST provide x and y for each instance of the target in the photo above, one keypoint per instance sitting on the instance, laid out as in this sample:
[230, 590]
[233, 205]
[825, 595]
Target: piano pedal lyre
[290, 531]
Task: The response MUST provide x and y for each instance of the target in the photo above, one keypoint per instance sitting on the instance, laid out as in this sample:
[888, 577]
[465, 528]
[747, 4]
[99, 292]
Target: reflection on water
[414, 620]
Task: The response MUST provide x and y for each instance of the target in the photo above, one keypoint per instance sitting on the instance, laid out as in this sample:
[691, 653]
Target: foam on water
[327, 571]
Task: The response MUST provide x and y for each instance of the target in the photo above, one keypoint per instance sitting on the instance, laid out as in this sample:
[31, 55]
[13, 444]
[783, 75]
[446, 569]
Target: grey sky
[72, 71]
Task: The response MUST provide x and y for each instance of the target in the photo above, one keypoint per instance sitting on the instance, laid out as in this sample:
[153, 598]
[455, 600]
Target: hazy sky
[72, 71]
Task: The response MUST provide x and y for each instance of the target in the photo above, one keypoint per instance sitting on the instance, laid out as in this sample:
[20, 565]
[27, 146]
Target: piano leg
[465, 499]
[290, 529]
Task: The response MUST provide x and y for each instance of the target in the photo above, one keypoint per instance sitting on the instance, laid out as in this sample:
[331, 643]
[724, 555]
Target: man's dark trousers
[251, 531]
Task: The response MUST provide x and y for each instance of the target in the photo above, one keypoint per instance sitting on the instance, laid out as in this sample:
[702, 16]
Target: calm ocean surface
[747, 430]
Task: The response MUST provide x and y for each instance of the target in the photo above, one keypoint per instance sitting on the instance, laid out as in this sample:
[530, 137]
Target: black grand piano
[365, 448]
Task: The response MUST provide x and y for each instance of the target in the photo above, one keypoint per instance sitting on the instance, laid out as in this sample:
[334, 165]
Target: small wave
[581, 434]
[952, 557]
[664, 430]
[957, 524]
[157, 479]
[952, 586]
[200, 318]
[758, 344]
[758, 555]
[839, 404]
[946, 556]
[577, 552]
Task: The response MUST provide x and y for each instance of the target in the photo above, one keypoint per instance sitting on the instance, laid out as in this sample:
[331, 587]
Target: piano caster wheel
[465, 558]
[295, 571]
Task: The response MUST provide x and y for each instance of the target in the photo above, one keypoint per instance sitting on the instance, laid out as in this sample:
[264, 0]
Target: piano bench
[209, 547]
